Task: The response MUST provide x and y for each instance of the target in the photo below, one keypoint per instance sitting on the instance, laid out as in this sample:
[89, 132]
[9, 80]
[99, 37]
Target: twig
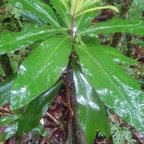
[68, 94]
[53, 133]
[137, 137]
[50, 116]
[5, 110]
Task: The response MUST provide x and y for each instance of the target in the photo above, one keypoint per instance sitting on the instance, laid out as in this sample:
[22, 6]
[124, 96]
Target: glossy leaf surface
[84, 20]
[85, 14]
[11, 41]
[8, 119]
[90, 108]
[39, 8]
[9, 131]
[5, 89]
[116, 25]
[66, 5]
[88, 40]
[62, 11]
[36, 109]
[31, 17]
[119, 91]
[40, 70]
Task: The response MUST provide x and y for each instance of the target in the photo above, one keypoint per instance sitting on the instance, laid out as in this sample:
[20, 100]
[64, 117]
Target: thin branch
[51, 117]
[68, 94]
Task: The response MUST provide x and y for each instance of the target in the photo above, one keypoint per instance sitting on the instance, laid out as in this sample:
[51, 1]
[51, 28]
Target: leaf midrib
[35, 34]
[34, 77]
[48, 59]
[107, 77]
[94, 29]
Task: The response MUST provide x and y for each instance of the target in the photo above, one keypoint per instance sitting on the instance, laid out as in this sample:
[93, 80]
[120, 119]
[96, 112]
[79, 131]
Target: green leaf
[35, 110]
[118, 90]
[73, 6]
[136, 9]
[5, 89]
[83, 21]
[32, 17]
[40, 130]
[90, 108]
[62, 11]
[9, 131]
[91, 40]
[116, 25]
[66, 5]
[98, 8]
[85, 4]
[40, 70]
[8, 119]
[11, 41]
[39, 8]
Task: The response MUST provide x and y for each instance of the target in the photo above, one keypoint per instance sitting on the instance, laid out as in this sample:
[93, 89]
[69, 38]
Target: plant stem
[72, 26]
[68, 93]
[77, 131]
[73, 20]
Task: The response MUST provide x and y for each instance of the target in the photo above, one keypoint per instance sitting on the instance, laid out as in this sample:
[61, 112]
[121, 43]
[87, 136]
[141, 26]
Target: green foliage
[5, 90]
[17, 58]
[9, 131]
[10, 16]
[90, 107]
[139, 42]
[37, 107]
[2, 73]
[62, 36]
[133, 27]
[8, 119]
[120, 134]
[137, 10]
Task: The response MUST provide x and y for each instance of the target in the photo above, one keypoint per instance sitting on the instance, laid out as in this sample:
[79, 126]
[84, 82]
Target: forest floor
[55, 122]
